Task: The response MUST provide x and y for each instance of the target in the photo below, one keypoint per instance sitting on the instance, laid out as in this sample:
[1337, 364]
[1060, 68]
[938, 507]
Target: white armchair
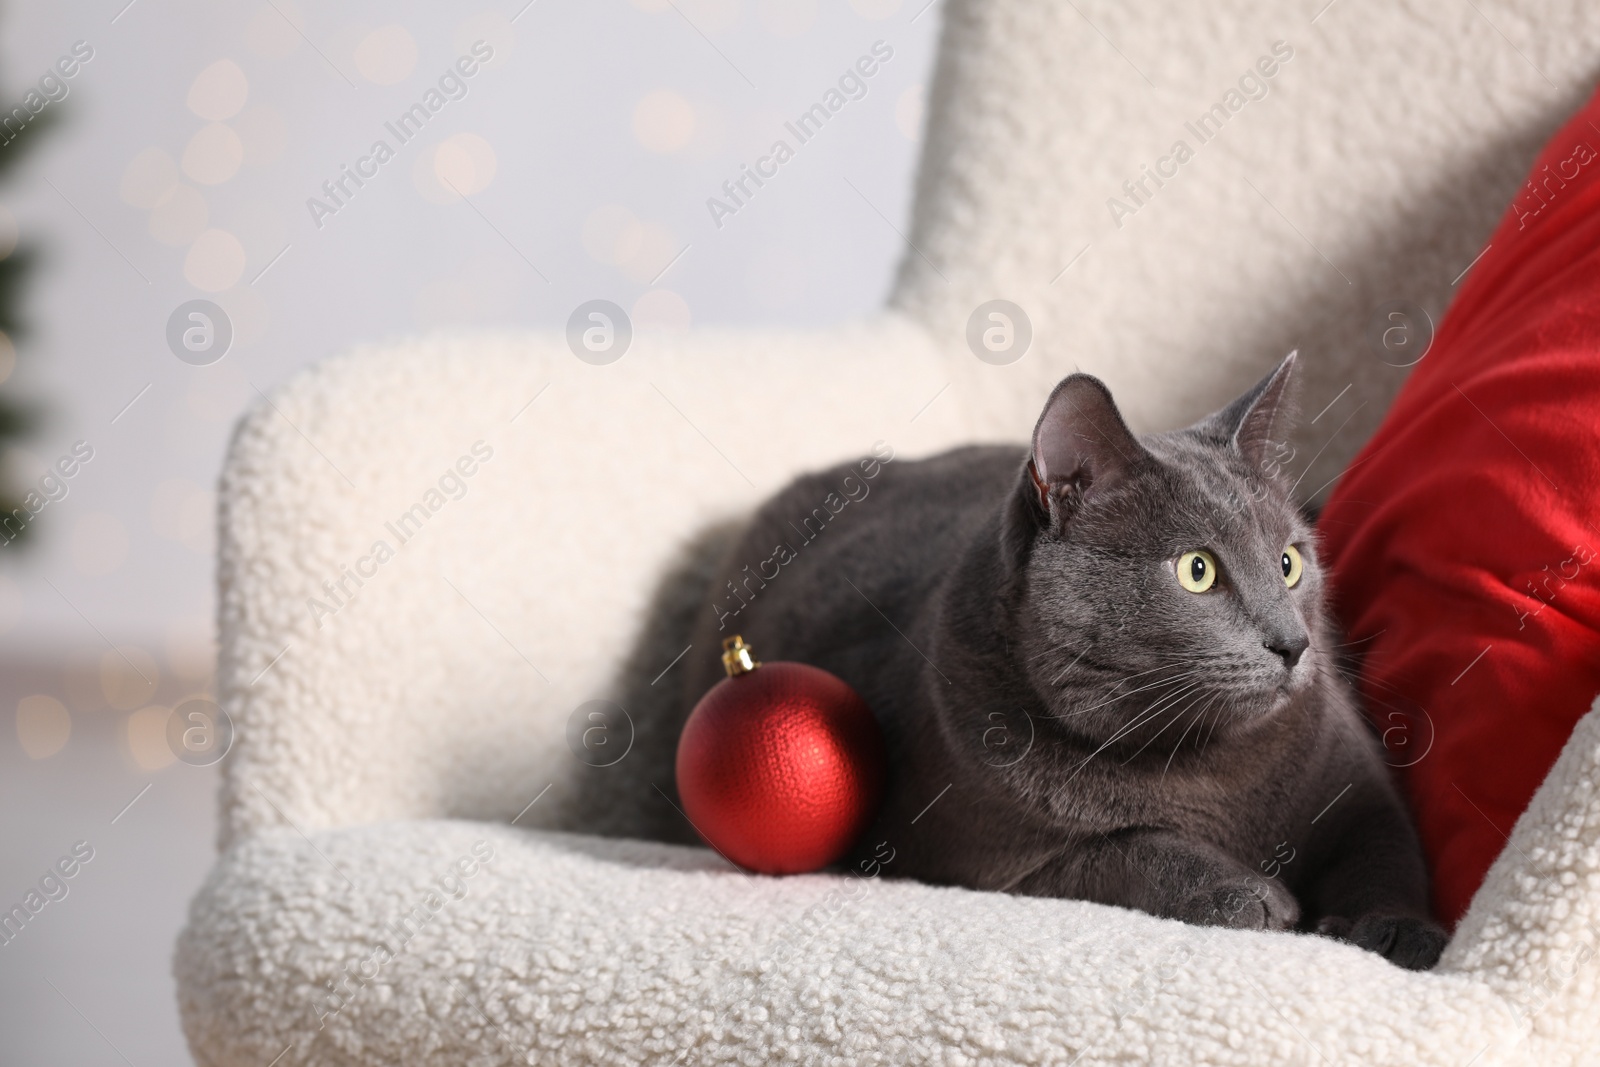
[433, 552]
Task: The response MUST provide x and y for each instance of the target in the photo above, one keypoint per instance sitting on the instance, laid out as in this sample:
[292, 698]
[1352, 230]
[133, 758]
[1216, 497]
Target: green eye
[1197, 571]
[1293, 566]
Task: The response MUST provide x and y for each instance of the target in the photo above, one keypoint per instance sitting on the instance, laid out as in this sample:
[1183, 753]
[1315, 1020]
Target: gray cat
[1104, 670]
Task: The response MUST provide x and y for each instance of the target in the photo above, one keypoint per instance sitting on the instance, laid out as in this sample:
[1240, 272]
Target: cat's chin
[1279, 699]
[1256, 710]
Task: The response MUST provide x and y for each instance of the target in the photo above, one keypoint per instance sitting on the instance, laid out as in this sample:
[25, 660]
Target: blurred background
[176, 163]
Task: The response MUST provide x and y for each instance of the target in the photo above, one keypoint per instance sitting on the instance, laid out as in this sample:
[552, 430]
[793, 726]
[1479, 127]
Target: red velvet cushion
[1463, 538]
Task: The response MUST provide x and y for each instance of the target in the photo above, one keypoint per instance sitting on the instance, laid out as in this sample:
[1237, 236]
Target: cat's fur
[1063, 718]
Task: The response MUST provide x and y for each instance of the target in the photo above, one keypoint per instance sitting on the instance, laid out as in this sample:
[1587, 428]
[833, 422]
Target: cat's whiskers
[1133, 692]
[1358, 679]
[1115, 696]
[1127, 728]
[1178, 660]
[1071, 665]
[1216, 721]
[1221, 711]
[1364, 640]
[1199, 718]
[1127, 677]
[1042, 653]
[1407, 710]
[1111, 741]
[1172, 664]
[1192, 693]
[1369, 703]
[1172, 698]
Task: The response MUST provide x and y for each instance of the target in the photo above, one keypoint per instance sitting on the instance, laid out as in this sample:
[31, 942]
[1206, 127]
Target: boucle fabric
[433, 552]
[396, 943]
[1371, 172]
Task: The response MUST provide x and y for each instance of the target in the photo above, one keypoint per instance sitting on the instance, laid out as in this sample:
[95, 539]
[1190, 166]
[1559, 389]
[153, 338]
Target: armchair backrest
[1177, 194]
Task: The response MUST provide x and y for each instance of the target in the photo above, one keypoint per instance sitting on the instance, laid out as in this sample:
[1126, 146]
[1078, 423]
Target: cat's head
[1165, 585]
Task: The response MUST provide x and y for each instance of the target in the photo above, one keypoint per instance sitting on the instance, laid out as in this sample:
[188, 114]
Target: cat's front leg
[1370, 887]
[1165, 874]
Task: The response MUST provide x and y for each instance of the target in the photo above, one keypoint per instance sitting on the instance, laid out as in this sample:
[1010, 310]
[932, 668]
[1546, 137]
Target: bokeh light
[213, 155]
[179, 216]
[129, 676]
[146, 178]
[263, 134]
[215, 261]
[43, 725]
[219, 91]
[663, 121]
[147, 738]
[274, 30]
[387, 55]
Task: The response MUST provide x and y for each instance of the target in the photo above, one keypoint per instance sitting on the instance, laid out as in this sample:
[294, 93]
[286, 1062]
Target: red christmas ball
[781, 766]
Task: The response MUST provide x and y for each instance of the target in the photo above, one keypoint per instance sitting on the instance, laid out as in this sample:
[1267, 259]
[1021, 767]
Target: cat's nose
[1288, 648]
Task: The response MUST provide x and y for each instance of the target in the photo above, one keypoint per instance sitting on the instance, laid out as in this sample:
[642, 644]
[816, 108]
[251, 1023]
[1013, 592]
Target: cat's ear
[1080, 446]
[1260, 418]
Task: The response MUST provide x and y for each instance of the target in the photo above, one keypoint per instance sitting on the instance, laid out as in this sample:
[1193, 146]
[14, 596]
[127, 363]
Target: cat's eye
[1293, 566]
[1197, 571]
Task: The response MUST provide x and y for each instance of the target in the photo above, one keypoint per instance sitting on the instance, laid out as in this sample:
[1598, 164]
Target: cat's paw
[1334, 926]
[1247, 903]
[1414, 944]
